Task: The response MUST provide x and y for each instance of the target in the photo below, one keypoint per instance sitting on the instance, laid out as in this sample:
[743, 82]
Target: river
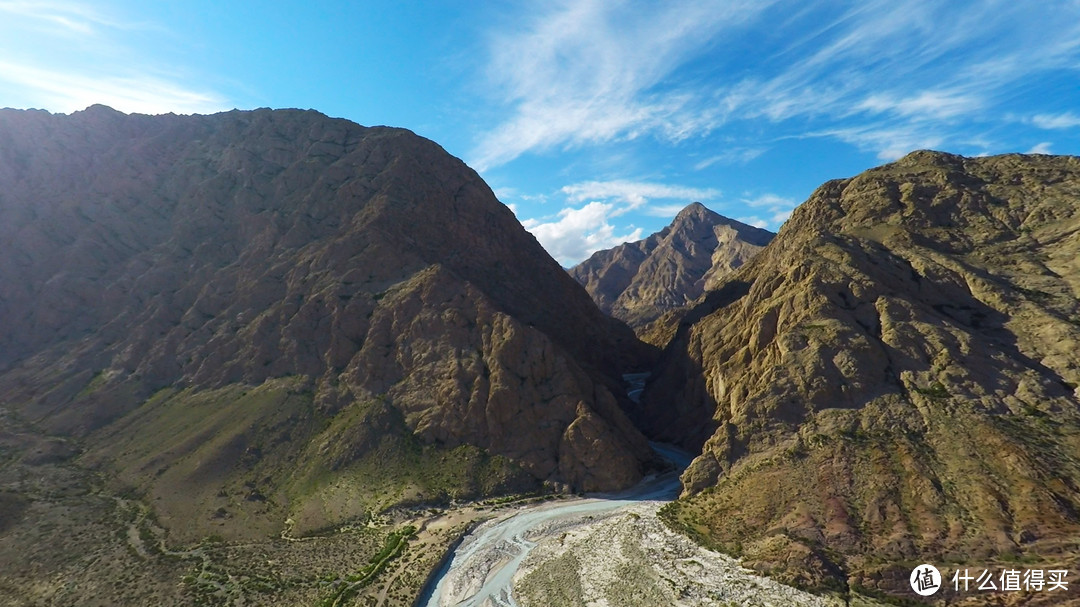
[604, 549]
[481, 572]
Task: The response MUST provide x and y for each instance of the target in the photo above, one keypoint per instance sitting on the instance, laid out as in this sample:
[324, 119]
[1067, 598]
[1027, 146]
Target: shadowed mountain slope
[313, 315]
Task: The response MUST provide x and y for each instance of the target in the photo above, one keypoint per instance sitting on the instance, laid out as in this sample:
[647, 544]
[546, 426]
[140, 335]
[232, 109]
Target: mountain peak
[930, 157]
[880, 328]
[637, 282]
[283, 252]
[99, 109]
[694, 209]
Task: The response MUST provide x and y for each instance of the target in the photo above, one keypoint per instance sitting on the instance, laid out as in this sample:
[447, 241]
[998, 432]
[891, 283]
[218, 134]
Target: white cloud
[62, 91]
[780, 217]
[737, 155]
[777, 207]
[71, 17]
[890, 143]
[929, 104]
[635, 193]
[577, 233]
[887, 76]
[768, 200]
[1042, 148]
[1067, 120]
[941, 87]
[755, 221]
[587, 71]
[664, 210]
[72, 55]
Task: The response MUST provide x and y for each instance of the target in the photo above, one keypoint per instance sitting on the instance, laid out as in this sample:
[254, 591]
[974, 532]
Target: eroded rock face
[638, 281]
[894, 379]
[201, 252]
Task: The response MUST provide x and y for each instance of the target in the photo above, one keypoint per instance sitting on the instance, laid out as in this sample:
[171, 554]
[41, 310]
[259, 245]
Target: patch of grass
[814, 328]
[857, 435]
[362, 469]
[936, 390]
[1034, 294]
[95, 383]
[393, 546]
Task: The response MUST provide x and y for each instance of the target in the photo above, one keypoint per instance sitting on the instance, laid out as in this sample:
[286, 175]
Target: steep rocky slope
[893, 380]
[271, 314]
[639, 281]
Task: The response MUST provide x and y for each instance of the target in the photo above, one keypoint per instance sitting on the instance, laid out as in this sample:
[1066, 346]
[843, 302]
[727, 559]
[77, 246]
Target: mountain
[267, 315]
[638, 281]
[892, 381]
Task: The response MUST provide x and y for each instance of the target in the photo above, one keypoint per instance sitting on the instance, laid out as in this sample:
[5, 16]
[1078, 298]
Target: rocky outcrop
[173, 256]
[638, 281]
[893, 380]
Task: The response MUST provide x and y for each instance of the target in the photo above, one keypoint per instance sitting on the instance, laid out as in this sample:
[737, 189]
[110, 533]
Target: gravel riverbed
[600, 551]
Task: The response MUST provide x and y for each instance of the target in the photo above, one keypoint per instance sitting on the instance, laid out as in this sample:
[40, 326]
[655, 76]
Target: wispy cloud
[929, 104]
[771, 210]
[577, 233]
[664, 210]
[133, 92]
[768, 201]
[65, 16]
[1067, 120]
[590, 71]
[863, 72]
[72, 55]
[1042, 148]
[737, 155]
[888, 142]
[635, 193]
[890, 77]
[579, 230]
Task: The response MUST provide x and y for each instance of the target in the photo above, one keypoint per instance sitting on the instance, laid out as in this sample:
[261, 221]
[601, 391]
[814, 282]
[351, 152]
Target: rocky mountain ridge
[281, 297]
[892, 381]
[271, 323]
[638, 281]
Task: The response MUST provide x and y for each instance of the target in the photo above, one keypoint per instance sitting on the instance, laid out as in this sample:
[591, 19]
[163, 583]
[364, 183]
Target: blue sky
[594, 120]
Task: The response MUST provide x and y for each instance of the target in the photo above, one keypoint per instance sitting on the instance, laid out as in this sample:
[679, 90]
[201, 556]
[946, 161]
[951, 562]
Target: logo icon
[925, 580]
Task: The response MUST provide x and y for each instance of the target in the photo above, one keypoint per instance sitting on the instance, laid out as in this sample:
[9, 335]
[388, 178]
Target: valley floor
[606, 551]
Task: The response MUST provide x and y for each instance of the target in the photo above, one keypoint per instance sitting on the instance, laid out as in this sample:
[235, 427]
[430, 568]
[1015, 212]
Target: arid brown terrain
[275, 358]
[892, 381]
[270, 321]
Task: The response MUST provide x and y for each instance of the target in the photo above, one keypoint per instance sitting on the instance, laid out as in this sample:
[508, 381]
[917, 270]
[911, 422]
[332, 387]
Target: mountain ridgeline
[892, 381]
[263, 324]
[323, 318]
[639, 281]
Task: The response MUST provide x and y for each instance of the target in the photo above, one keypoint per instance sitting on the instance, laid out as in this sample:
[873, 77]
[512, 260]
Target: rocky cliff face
[893, 380]
[265, 287]
[638, 281]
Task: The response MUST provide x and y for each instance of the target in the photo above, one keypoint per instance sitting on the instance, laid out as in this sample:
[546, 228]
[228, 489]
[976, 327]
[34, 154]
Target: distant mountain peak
[694, 209]
[638, 281]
